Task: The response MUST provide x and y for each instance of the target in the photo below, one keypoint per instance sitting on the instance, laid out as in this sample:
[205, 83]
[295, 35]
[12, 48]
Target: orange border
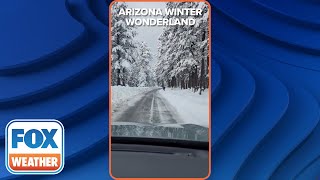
[110, 90]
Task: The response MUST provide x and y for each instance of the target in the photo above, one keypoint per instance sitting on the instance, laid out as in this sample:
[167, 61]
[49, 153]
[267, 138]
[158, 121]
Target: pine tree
[203, 35]
[122, 46]
[183, 50]
[145, 74]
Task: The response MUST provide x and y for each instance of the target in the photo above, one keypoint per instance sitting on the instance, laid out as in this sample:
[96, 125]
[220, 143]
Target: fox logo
[34, 147]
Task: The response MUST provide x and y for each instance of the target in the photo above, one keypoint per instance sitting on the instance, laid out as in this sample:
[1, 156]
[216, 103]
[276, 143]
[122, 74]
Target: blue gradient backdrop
[266, 84]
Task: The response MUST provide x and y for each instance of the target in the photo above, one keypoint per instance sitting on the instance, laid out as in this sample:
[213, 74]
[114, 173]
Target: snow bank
[122, 94]
[192, 107]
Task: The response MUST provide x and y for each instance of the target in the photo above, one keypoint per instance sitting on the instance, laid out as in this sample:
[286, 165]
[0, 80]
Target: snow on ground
[121, 95]
[192, 107]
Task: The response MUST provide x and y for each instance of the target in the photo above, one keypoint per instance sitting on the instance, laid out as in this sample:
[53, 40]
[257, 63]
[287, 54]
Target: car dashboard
[158, 158]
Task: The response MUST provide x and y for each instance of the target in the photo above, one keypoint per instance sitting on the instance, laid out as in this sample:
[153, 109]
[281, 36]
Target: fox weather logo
[34, 146]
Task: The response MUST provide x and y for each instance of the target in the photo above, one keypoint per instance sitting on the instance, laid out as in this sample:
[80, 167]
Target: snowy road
[151, 108]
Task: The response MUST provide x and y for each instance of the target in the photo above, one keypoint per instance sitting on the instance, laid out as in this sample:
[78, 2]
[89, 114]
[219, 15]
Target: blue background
[265, 79]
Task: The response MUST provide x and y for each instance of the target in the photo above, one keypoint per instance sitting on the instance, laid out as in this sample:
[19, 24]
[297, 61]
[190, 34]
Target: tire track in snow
[151, 108]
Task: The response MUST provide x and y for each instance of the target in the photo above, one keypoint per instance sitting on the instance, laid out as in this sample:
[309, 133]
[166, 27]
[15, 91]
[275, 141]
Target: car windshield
[160, 74]
[156, 113]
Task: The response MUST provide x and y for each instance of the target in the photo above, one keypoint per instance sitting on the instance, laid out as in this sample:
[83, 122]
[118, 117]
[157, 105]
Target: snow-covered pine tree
[203, 43]
[122, 46]
[133, 80]
[141, 72]
[167, 53]
[187, 51]
[145, 74]
[162, 66]
[182, 50]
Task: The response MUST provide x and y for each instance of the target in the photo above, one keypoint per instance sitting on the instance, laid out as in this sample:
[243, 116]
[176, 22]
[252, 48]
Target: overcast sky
[149, 34]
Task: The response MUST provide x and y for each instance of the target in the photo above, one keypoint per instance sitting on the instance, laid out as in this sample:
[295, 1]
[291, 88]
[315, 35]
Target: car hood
[191, 132]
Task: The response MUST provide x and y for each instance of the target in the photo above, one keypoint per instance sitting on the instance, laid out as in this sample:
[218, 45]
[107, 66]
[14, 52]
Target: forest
[182, 60]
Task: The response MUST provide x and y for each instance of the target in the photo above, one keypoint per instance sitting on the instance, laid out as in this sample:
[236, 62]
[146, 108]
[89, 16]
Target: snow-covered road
[171, 106]
[151, 108]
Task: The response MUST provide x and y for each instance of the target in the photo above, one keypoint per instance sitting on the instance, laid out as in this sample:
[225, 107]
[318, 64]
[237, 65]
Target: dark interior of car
[136, 157]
